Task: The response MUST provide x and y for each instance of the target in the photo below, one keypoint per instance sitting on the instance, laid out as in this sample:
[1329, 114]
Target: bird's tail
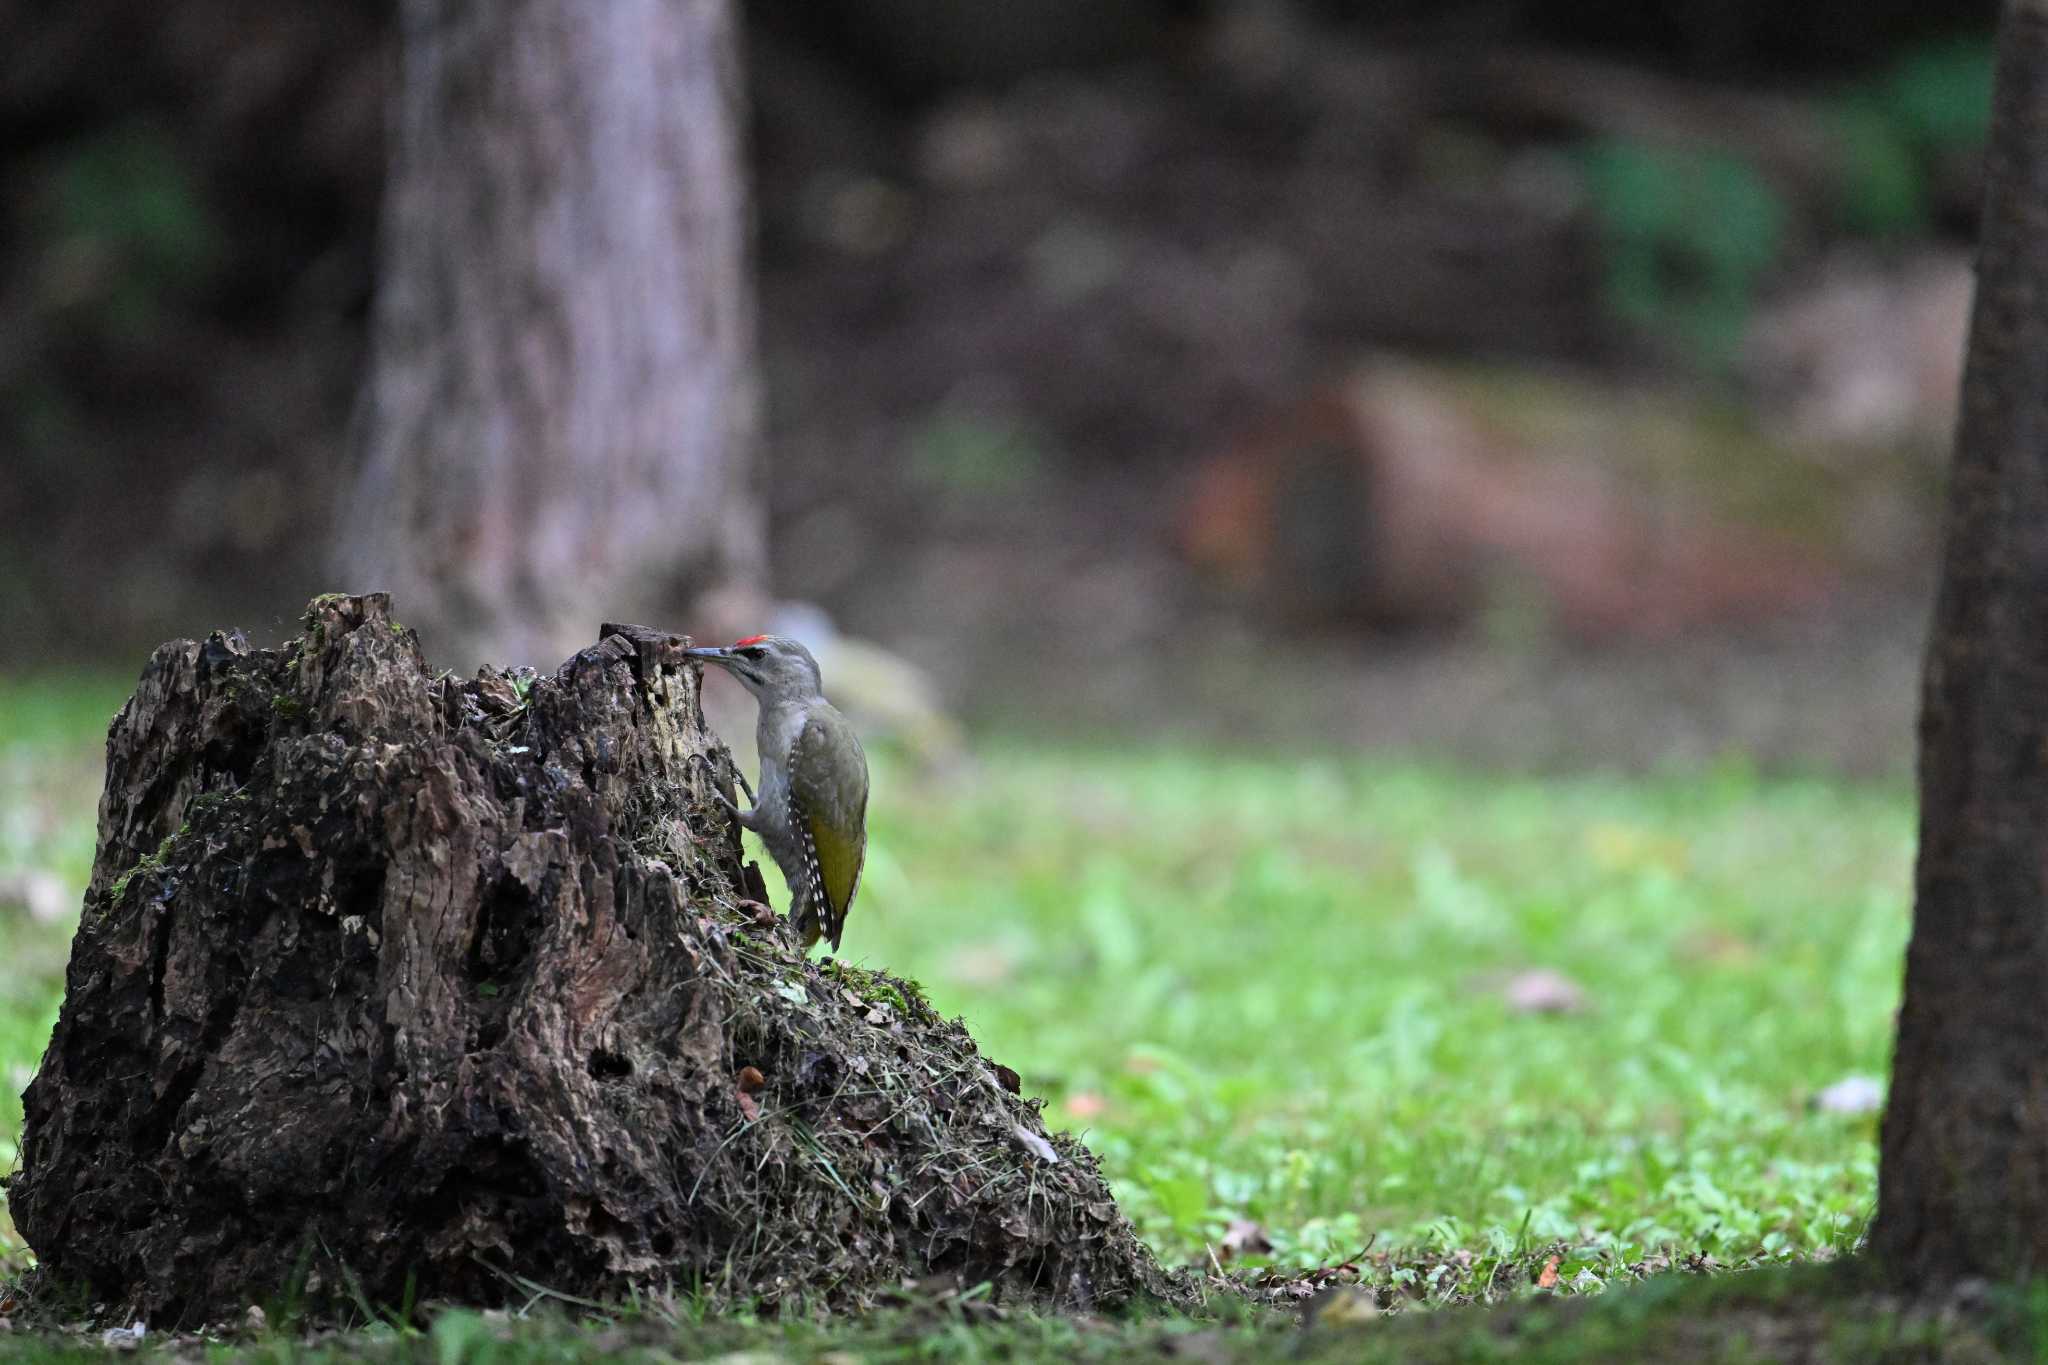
[814, 925]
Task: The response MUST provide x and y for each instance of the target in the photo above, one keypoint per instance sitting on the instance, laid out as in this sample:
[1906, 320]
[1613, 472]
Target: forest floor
[1478, 1040]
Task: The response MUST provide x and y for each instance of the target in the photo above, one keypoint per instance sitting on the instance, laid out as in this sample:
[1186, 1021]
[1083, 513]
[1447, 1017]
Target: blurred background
[1549, 384]
[1380, 551]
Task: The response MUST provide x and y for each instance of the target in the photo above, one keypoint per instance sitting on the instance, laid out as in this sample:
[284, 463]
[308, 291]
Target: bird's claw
[719, 795]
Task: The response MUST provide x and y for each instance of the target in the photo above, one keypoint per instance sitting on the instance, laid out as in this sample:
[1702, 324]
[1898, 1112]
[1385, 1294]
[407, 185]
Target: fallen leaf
[1547, 1277]
[1036, 1145]
[1085, 1104]
[1627, 848]
[1719, 947]
[751, 1079]
[124, 1338]
[1851, 1095]
[1008, 1079]
[43, 894]
[1344, 1305]
[1243, 1238]
[1543, 990]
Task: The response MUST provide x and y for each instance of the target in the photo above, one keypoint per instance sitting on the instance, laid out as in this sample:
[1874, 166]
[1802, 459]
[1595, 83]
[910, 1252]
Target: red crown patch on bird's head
[750, 640]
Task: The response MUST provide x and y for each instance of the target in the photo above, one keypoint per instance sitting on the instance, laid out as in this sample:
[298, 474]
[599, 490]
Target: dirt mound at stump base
[419, 983]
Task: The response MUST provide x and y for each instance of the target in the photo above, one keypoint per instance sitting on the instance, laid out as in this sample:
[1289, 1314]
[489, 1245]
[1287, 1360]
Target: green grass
[1772, 1315]
[1270, 990]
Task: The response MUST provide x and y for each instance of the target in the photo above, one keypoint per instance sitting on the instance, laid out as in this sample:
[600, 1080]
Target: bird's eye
[754, 652]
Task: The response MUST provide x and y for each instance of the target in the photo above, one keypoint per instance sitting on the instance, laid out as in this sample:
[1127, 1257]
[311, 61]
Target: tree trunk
[392, 981]
[559, 412]
[1963, 1187]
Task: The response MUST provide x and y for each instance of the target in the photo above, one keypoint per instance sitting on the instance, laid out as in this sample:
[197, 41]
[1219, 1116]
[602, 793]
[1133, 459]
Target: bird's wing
[830, 802]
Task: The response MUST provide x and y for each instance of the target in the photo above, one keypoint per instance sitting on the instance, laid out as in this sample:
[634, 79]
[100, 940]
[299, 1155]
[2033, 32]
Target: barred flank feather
[828, 793]
[811, 906]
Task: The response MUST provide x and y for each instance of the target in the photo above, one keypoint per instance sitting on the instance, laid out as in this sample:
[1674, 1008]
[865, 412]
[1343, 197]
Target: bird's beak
[729, 659]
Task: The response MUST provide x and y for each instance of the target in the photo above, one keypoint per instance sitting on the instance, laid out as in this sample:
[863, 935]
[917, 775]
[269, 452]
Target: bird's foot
[726, 803]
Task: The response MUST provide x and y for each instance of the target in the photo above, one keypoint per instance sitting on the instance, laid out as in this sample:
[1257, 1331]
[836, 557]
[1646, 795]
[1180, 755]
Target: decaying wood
[1419, 494]
[387, 978]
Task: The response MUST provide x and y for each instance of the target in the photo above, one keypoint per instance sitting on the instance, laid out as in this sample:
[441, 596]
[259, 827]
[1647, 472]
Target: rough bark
[1963, 1186]
[559, 410]
[411, 982]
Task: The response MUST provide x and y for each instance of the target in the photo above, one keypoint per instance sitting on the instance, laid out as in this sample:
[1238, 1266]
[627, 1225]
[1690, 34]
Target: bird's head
[773, 667]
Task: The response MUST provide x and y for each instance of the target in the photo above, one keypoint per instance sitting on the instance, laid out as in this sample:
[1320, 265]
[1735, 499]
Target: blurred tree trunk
[558, 417]
[1963, 1188]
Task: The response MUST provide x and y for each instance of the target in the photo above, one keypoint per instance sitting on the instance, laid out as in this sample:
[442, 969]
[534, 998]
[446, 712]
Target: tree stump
[391, 982]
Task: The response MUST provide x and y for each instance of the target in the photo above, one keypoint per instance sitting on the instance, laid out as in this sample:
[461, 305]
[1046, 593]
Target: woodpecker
[811, 809]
